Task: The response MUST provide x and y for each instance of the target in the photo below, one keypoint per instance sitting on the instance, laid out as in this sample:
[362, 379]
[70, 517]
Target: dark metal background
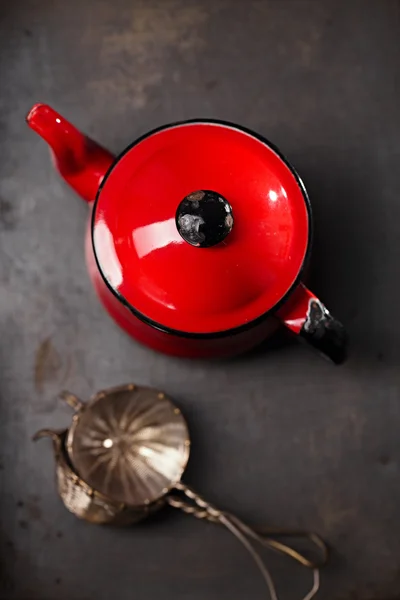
[281, 437]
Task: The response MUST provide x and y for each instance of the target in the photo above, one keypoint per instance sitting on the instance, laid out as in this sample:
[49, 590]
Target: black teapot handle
[306, 316]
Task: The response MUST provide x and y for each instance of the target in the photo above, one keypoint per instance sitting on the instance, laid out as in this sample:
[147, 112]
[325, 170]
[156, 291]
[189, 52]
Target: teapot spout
[79, 160]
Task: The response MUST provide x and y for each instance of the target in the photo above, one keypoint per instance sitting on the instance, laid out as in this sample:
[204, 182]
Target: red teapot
[199, 235]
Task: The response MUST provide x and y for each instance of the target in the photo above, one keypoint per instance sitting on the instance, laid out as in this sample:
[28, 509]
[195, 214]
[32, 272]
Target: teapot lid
[201, 227]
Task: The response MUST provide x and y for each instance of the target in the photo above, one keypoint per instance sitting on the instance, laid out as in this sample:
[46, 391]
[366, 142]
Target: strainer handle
[196, 506]
[72, 400]
[54, 435]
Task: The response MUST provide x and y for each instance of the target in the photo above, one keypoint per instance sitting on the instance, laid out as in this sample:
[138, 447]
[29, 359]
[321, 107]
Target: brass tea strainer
[123, 457]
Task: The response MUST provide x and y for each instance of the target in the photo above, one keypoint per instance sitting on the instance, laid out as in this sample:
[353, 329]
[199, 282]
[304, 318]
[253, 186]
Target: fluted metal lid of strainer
[130, 443]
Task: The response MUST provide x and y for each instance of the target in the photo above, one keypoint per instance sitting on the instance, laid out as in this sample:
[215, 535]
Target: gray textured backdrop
[281, 437]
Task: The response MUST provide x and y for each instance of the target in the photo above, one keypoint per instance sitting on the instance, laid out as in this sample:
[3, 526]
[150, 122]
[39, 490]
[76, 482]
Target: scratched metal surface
[280, 437]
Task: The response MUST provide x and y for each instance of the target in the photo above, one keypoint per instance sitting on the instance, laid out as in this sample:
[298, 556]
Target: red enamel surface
[80, 161]
[293, 313]
[165, 279]
[200, 290]
[219, 347]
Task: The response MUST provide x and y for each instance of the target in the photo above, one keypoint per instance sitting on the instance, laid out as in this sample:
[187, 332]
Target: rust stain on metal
[196, 196]
[47, 364]
[133, 57]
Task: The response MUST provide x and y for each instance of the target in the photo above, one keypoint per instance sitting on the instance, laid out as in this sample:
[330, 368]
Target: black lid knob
[204, 218]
